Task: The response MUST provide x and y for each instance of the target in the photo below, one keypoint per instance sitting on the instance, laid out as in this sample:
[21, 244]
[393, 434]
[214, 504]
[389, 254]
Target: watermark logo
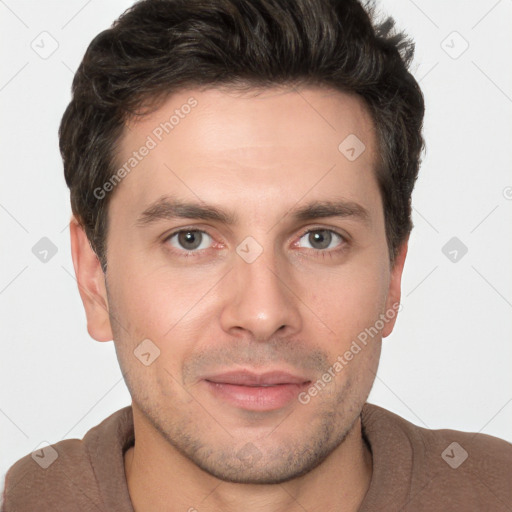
[249, 454]
[249, 249]
[454, 249]
[44, 250]
[147, 352]
[45, 45]
[352, 147]
[454, 45]
[45, 455]
[454, 455]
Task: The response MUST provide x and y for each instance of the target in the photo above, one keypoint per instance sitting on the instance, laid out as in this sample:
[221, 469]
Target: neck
[160, 478]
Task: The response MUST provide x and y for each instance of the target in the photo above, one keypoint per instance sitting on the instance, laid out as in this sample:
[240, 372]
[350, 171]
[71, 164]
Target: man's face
[250, 304]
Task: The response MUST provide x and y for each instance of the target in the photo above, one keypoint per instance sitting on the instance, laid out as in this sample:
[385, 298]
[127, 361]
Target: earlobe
[91, 283]
[395, 289]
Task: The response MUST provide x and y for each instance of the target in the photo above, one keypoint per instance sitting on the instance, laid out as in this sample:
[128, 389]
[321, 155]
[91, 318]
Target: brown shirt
[414, 469]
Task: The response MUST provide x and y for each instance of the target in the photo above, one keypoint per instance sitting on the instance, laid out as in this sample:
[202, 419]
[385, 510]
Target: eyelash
[197, 253]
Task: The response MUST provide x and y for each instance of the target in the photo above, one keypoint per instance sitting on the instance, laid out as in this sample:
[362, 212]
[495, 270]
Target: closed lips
[244, 378]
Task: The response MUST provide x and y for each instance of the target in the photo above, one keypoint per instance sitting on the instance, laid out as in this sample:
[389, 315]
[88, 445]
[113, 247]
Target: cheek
[156, 302]
[162, 306]
[350, 299]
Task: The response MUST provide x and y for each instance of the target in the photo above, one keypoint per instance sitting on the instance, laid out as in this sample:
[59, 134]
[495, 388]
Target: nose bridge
[260, 299]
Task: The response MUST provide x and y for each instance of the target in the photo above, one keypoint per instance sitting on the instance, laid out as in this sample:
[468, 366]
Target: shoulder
[471, 467]
[462, 470]
[50, 476]
[432, 442]
[63, 476]
[455, 448]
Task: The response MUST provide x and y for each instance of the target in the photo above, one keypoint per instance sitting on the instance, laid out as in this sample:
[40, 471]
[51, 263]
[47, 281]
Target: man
[241, 174]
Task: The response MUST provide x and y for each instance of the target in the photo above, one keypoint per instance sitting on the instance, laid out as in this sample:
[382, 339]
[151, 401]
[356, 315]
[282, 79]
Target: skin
[297, 307]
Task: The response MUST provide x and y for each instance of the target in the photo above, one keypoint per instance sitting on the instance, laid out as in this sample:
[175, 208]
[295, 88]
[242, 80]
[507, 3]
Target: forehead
[226, 144]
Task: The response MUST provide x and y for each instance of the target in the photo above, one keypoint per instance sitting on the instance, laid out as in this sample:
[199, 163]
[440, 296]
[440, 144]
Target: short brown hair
[158, 47]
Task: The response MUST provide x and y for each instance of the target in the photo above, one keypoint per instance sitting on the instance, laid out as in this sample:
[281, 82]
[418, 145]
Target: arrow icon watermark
[351, 147]
[454, 249]
[44, 250]
[146, 352]
[249, 249]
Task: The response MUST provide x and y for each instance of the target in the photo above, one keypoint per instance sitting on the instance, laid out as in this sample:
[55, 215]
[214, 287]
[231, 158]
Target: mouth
[256, 391]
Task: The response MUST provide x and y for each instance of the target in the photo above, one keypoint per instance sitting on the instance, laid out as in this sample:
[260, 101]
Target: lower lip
[257, 398]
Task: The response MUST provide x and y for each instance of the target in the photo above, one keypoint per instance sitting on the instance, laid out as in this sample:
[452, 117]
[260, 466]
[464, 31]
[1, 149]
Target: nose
[260, 300]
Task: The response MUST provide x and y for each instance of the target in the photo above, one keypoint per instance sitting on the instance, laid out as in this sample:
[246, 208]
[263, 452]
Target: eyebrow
[168, 208]
[340, 208]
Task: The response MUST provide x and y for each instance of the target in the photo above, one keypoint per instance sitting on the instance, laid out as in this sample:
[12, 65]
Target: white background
[447, 365]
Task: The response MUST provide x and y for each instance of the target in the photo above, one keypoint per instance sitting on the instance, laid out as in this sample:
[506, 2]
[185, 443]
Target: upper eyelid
[166, 236]
[332, 230]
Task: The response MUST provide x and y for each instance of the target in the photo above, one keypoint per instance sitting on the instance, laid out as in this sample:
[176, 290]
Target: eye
[190, 240]
[321, 239]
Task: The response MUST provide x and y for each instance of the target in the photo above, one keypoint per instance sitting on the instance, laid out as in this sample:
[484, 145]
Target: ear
[91, 284]
[395, 289]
